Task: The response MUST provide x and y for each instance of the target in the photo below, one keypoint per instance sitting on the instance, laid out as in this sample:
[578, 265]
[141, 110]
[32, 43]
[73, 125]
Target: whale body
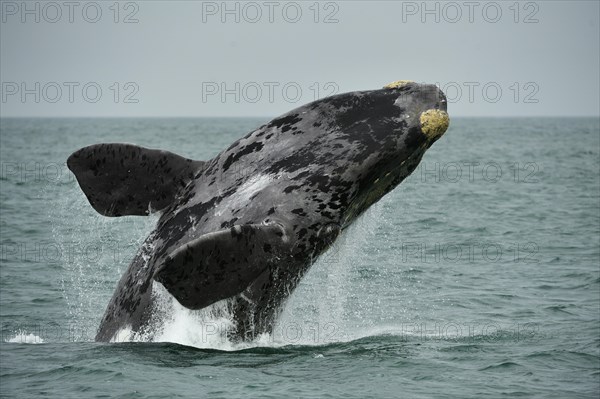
[247, 225]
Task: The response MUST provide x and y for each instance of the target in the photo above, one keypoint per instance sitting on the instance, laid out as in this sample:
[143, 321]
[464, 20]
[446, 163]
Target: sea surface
[476, 277]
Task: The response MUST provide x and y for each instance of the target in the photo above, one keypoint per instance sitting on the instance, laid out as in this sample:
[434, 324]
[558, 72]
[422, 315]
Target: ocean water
[478, 276]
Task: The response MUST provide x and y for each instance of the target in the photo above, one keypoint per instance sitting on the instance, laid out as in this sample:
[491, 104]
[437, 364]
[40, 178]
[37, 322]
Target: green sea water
[477, 277]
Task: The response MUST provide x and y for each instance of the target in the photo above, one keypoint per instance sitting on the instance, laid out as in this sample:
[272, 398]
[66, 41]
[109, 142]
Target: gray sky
[181, 59]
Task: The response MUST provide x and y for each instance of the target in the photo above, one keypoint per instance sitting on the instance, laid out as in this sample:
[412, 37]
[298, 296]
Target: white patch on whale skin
[253, 185]
[192, 220]
[146, 253]
[406, 103]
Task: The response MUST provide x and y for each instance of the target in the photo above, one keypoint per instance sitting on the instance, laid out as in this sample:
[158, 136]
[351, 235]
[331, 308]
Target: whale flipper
[221, 264]
[125, 179]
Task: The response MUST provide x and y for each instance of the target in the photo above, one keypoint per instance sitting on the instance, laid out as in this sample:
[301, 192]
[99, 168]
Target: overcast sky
[201, 58]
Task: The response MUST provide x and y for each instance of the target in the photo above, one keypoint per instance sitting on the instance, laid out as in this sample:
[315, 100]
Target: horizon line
[254, 116]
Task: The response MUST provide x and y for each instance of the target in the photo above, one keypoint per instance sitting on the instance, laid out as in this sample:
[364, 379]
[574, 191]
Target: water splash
[320, 310]
[90, 247]
[23, 337]
[329, 305]
[208, 328]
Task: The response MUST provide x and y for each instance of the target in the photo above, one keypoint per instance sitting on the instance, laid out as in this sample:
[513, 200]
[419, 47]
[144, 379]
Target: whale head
[389, 130]
[426, 104]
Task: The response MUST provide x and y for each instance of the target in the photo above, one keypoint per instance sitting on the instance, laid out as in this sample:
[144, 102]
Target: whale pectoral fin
[124, 179]
[222, 264]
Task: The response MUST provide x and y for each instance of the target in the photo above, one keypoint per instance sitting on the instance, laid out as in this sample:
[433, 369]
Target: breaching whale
[246, 225]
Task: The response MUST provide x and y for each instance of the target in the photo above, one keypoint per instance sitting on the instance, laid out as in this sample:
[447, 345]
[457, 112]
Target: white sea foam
[125, 334]
[22, 337]
[206, 328]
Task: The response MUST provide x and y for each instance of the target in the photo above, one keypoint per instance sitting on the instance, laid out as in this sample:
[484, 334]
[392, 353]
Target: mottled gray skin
[310, 172]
